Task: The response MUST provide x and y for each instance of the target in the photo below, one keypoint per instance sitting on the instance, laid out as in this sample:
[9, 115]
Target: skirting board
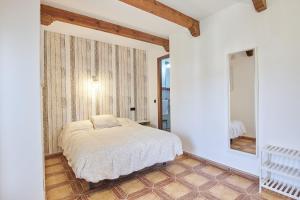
[224, 167]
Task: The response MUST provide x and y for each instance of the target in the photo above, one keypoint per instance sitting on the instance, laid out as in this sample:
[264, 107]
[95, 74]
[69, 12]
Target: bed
[108, 153]
[236, 129]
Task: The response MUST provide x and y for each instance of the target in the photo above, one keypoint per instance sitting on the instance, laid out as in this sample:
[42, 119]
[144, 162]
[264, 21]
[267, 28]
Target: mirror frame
[228, 76]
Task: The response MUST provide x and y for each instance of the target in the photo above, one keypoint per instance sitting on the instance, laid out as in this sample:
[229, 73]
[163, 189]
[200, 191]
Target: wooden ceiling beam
[168, 13]
[260, 5]
[50, 14]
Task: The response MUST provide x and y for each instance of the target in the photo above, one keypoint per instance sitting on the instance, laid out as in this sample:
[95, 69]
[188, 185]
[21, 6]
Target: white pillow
[104, 121]
[74, 128]
[127, 122]
[78, 126]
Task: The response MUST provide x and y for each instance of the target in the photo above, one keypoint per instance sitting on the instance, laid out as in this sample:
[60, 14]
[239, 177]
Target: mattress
[109, 153]
[236, 129]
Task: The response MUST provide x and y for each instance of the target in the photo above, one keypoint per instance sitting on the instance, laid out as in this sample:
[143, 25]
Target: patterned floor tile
[249, 150]
[239, 182]
[173, 181]
[175, 169]
[131, 188]
[55, 169]
[156, 177]
[52, 161]
[271, 196]
[244, 144]
[148, 196]
[104, 194]
[190, 162]
[213, 171]
[60, 192]
[176, 190]
[195, 179]
[223, 192]
[56, 179]
[200, 198]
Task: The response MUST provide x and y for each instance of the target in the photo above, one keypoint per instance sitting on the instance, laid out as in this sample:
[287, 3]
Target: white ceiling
[199, 9]
[123, 14]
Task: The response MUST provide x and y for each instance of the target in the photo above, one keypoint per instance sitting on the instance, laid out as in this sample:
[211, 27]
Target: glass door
[164, 119]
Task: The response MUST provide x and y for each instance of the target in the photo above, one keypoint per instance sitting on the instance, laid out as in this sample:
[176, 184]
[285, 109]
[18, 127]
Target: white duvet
[236, 129]
[109, 153]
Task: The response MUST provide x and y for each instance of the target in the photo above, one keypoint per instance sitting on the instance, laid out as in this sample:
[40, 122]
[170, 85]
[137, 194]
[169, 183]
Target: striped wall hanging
[69, 65]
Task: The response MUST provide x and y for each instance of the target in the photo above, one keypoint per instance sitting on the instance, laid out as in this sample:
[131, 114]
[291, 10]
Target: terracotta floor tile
[176, 190]
[243, 142]
[245, 145]
[239, 181]
[60, 188]
[60, 192]
[148, 196]
[195, 179]
[200, 198]
[222, 192]
[156, 177]
[249, 150]
[56, 179]
[52, 161]
[175, 169]
[213, 171]
[271, 196]
[132, 186]
[106, 194]
[235, 146]
[55, 169]
[190, 162]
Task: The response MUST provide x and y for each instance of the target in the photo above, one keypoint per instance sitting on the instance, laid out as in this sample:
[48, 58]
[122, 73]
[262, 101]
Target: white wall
[199, 103]
[21, 158]
[242, 90]
[153, 52]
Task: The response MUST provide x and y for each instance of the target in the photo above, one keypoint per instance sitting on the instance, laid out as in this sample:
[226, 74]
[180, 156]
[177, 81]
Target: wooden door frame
[159, 93]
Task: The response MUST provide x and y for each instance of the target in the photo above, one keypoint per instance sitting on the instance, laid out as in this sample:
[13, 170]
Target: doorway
[163, 88]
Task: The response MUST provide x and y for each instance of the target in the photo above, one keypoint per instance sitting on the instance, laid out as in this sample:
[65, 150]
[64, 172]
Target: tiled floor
[183, 179]
[244, 144]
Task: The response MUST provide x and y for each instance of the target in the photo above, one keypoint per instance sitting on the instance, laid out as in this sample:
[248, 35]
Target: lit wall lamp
[95, 84]
[95, 78]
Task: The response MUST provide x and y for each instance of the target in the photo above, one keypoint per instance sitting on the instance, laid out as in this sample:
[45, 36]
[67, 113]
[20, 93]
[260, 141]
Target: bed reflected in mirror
[242, 95]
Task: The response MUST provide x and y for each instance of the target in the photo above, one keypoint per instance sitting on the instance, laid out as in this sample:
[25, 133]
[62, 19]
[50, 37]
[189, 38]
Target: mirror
[242, 95]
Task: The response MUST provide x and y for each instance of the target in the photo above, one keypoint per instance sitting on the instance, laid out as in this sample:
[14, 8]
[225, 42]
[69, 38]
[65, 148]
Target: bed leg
[92, 186]
[100, 184]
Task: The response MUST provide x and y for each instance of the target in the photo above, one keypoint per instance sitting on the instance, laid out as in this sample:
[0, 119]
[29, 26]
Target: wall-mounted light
[95, 84]
[95, 79]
